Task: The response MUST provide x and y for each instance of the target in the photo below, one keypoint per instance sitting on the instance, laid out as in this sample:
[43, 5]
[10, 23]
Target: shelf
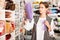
[35, 9]
[10, 10]
[18, 34]
[36, 4]
[17, 31]
[53, 7]
[52, 15]
[2, 37]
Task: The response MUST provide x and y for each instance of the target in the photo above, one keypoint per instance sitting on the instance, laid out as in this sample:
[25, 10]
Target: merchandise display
[10, 27]
[10, 5]
[2, 27]
[8, 36]
[7, 19]
[7, 15]
[28, 9]
[17, 18]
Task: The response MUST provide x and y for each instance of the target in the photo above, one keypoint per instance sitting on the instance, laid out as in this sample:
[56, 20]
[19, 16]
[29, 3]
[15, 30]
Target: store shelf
[52, 15]
[56, 36]
[17, 34]
[12, 36]
[53, 7]
[4, 18]
[35, 9]
[9, 10]
[2, 37]
[28, 37]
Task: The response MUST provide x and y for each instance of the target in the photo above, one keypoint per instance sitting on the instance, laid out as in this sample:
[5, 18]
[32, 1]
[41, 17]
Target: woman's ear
[47, 10]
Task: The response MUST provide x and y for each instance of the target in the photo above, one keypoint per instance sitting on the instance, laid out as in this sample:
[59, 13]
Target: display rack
[11, 18]
[19, 14]
[2, 37]
[2, 20]
[21, 18]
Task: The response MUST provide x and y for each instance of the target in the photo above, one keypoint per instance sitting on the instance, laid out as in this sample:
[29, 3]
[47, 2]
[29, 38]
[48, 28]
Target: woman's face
[42, 9]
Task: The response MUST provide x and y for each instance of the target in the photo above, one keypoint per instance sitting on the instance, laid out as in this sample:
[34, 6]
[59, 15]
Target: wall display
[7, 18]
[17, 20]
[10, 21]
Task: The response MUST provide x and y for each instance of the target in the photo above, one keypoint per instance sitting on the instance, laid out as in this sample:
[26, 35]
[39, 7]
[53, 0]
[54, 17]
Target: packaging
[28, 9]
[2, 27]
[10, 26]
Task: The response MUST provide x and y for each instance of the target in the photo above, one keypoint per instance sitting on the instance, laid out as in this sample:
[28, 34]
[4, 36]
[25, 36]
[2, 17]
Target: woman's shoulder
[48, 19]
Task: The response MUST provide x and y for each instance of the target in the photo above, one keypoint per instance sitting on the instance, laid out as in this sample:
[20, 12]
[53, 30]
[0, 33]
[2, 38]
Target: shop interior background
[11, 18]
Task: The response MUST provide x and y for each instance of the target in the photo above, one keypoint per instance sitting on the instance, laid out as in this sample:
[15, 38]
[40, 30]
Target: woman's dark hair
[46, 4]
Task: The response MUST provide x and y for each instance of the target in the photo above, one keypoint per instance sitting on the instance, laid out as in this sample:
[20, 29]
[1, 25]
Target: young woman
[43, 23]
[42, 26]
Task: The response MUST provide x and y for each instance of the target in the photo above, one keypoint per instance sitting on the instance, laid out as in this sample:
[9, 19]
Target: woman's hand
[47, 24]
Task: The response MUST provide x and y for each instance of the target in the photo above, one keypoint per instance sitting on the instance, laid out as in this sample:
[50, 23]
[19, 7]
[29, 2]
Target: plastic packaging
[28, 8]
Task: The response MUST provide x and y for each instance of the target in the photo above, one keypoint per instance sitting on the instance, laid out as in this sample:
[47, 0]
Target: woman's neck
[43, 16]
